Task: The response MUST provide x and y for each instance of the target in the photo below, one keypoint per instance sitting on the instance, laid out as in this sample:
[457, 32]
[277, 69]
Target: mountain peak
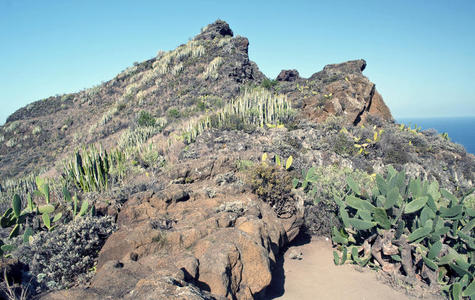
[217, 29]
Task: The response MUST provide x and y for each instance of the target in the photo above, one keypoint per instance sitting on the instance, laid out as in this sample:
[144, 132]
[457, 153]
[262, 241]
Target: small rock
[295, 254]
[134, 256]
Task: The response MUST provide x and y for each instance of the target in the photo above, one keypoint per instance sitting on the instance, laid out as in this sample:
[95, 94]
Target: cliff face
[207, 72]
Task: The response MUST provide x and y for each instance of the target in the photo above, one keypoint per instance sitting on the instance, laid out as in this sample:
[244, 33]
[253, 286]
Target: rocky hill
[205, 73]
[192, 184]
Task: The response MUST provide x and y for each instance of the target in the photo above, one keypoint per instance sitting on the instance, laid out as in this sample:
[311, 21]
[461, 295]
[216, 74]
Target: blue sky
[420, 54]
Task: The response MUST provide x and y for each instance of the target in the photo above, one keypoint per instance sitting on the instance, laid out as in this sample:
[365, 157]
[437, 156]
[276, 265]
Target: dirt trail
[316, 277]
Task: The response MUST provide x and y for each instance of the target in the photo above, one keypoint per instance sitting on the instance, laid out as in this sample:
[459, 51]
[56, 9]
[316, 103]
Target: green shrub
[145, 119]
[273, 185]
[411, 228]
[173, 113]
[244, 164]
[149, 156]
[36, 130]
[201, 105]
[269, 84]
[342, 144]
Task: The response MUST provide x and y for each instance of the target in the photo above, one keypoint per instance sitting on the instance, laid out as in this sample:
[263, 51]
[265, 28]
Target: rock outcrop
[218, 29]
[288, 75]
[208, 238]
[340, 90]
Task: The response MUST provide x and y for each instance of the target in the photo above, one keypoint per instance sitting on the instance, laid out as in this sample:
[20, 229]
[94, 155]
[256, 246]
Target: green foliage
[73, 202]
[145, 119]
[445, 136]
[342, 144]
[363, 146]
[90, 169]
[149, 156]
[14, 217]
[269, 84]
[278, 162]
[49, 214]
[133, 138]
[173, 113]
[244, 164]
[324, 182]
[201, 105]
[410, 223]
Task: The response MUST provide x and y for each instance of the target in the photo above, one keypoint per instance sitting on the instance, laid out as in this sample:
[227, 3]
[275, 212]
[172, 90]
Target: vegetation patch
[272, 184]
[409, 228]
[91, 168]
[255, 107]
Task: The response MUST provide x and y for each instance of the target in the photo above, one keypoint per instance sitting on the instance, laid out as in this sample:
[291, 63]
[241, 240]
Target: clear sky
[420, 54]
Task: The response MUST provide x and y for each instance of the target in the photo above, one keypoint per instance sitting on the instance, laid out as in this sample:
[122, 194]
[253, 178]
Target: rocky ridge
[211, 69]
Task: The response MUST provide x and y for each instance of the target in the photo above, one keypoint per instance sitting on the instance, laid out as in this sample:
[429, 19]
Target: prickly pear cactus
[409, 227]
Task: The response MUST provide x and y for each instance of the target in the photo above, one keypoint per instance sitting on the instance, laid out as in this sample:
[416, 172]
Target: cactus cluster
[90, 169]
[256, 107]
[20, 186]
[49, 214]
[409, 227]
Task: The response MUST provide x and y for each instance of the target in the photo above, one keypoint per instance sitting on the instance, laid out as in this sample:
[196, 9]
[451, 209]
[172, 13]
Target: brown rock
[217, 29]
[288, 75]
[343, 90]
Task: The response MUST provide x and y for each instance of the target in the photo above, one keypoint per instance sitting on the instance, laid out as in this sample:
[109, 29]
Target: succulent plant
[90, 168]
[13, 216]
[408, 225]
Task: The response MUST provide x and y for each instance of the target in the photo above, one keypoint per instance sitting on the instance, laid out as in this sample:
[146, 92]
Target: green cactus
[309, 177]
[413, 217]
[91, 167]
[14, 217]
[48, 221]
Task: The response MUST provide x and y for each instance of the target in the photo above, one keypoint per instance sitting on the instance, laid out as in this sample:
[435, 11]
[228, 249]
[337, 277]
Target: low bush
[145, 119]
[273, 184]
[269, 84]
[61, 258]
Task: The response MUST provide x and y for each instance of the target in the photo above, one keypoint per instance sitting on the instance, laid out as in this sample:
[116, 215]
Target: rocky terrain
[195, 200]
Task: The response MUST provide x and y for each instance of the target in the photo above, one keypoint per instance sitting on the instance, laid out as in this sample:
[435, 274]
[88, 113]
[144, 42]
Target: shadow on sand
[276, 288]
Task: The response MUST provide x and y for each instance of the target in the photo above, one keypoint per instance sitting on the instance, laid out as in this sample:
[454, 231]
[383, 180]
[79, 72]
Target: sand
[317, 277]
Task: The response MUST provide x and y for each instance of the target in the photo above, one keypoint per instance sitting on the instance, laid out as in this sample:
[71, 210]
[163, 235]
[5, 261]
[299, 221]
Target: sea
[461, 130]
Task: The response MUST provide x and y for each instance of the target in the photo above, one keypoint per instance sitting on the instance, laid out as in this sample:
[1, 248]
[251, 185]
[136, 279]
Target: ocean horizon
[461, 130]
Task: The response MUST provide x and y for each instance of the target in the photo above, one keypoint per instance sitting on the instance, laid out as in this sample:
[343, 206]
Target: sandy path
[316, 277]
